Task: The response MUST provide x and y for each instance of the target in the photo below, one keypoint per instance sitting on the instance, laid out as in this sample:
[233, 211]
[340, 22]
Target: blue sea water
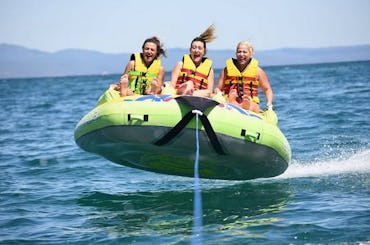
[52, 192]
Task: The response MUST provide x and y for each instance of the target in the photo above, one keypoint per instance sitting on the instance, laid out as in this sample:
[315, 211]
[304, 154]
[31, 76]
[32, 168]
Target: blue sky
[120, 26]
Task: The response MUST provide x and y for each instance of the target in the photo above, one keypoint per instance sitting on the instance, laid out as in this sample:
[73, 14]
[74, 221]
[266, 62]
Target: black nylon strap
[175, 130]
[200, 104]
[212, 135]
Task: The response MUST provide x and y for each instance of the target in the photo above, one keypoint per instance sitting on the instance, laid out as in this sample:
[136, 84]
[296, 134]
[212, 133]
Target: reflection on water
[228, 209]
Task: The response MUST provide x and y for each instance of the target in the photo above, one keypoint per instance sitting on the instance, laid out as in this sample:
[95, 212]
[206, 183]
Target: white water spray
[358, 163]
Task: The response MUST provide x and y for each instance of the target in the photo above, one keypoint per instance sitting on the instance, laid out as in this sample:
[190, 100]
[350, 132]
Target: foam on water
[357, 163]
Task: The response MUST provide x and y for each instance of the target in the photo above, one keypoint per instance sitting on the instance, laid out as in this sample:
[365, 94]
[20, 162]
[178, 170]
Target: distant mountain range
[20, 62]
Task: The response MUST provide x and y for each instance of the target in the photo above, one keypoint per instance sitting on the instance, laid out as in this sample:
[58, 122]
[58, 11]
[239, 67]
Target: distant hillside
[18, 62]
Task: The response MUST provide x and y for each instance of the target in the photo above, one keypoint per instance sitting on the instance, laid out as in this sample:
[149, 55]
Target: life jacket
[244, 82]
[198, 75]
[142, 76]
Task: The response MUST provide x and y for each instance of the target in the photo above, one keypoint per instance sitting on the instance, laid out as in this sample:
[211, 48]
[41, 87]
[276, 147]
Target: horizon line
[179, 48]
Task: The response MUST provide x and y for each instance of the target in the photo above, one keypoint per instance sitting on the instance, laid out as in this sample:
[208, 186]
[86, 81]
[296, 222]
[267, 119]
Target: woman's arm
[265, 86]
[130, 66]
[220, 82]
[175, 73]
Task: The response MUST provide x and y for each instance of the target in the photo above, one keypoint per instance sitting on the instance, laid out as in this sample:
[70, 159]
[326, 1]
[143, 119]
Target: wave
[357, 163]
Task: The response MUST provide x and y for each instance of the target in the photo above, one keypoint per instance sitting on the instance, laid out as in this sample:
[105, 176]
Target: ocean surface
[52, 192]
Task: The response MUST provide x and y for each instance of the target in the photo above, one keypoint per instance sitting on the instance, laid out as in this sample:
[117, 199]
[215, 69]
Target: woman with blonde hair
[242, 77]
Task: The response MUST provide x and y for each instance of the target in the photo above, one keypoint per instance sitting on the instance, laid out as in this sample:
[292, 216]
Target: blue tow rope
[197, 208]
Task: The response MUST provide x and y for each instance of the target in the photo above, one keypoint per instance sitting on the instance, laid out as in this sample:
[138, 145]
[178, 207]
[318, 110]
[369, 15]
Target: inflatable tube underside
[232, 146]
[133, 146]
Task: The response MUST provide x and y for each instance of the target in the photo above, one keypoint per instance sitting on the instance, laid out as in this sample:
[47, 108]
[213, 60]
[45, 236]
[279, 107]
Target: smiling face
[150, 52]
[243, 54]
[197, 51]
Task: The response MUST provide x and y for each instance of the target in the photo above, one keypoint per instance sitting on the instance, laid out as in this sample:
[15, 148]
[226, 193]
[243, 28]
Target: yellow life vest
[198, 75]
[142, 76]
[244, 82]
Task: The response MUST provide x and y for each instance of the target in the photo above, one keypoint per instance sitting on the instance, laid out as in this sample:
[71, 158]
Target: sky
[121, 26]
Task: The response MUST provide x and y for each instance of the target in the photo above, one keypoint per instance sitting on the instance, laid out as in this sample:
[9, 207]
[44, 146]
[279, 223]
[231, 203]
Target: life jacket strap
[194, 73]
[241, 78]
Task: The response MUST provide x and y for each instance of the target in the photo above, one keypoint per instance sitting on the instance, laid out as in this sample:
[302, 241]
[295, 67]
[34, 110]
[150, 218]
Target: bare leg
[124, 85]
[154, 87]
[186, 88]
[249, 104]
[190, 88]
[181, 89]
[115, 86]
[233, 95]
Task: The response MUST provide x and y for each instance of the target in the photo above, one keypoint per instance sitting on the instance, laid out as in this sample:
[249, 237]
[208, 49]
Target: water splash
[197, 208]
[357, 163]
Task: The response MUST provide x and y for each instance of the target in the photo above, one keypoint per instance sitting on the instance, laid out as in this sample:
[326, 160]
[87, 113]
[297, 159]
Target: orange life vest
[245, 82]
[197, 74]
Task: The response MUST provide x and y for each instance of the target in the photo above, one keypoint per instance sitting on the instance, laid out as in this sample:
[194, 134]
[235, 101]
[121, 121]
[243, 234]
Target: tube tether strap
[198, 104]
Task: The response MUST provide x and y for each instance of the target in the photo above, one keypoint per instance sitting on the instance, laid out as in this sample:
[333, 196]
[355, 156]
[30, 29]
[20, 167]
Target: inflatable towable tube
[157, 133]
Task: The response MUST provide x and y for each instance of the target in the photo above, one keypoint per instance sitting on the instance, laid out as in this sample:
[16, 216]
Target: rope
[197, 208]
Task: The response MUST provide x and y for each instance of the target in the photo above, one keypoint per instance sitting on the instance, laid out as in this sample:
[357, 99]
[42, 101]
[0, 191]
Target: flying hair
[206, 37]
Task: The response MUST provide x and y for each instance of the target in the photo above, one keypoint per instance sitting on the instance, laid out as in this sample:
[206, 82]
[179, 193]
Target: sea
[52, 192]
